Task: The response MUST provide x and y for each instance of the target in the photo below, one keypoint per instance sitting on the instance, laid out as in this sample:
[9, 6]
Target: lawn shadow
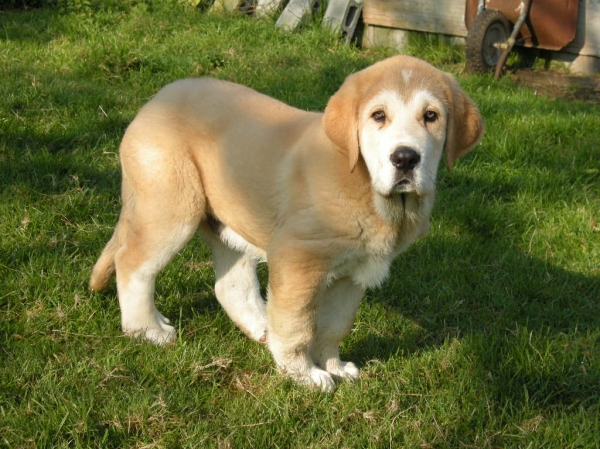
[70, 139]
[494, 298]
[37, 26]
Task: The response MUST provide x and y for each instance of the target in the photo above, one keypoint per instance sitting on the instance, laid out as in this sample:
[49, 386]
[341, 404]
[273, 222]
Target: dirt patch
[560, 85]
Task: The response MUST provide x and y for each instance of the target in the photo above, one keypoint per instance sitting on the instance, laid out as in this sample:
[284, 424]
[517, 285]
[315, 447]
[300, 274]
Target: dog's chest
[366, 270]
[369, 265]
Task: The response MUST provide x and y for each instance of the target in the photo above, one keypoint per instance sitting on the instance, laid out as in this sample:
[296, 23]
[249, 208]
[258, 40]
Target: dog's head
[399, 115]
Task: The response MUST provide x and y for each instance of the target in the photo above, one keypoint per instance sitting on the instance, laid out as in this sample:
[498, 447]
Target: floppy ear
[465, 124]
[340, 120]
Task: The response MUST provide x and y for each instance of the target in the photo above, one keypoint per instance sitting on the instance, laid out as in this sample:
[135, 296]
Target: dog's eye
[378, 116]
[430, 116]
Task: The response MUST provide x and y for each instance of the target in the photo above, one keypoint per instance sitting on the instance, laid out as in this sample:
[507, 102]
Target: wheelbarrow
[495, 26]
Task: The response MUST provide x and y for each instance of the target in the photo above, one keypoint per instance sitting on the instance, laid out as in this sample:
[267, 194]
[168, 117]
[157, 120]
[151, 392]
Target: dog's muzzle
[404, 159]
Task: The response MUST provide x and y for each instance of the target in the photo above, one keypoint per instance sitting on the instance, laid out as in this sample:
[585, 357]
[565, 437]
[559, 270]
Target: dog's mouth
[403, 185]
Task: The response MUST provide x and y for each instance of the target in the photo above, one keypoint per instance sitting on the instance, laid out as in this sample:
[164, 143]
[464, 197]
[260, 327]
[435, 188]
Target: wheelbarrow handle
[512, 38]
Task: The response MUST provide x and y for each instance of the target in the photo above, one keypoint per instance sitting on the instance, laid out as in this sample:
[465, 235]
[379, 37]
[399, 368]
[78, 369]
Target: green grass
[486, 335]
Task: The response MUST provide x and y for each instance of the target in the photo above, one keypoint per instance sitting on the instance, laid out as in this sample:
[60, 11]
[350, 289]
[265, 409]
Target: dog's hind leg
[161, 212]
[237, 287]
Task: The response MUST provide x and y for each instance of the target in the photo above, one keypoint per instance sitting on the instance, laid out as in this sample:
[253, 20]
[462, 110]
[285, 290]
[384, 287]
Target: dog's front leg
[336, 311]
[295, 279]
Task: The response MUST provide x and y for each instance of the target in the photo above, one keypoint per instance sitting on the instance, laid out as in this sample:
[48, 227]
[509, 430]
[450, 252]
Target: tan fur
[263, 181]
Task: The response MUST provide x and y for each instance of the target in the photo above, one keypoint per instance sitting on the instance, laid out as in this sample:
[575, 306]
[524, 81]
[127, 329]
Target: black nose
[405, 158]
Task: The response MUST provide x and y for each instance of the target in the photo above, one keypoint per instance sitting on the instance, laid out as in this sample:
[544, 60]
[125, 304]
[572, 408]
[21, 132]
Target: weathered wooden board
[432, 16]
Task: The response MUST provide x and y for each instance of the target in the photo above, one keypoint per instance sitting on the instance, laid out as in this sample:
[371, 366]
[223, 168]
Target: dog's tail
[105, 266]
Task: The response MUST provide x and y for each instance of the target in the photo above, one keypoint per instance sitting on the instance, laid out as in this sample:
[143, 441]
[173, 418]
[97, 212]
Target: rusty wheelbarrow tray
[494, 26]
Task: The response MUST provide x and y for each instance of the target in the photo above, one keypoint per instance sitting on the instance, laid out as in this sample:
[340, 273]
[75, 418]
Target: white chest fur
[365, 270]
[368, 267]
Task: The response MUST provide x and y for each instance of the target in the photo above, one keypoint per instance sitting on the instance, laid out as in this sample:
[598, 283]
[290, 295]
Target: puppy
[328, 200]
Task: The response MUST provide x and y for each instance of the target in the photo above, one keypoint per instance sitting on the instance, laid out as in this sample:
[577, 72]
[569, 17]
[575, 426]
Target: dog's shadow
[478, 284]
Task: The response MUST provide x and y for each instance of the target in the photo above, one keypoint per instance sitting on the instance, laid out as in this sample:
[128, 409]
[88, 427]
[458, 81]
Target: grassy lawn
[486, 335]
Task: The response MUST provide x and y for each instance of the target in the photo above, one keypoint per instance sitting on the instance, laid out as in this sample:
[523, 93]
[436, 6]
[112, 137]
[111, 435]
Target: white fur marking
[238, 291]
[139, 316]
[405, 127]
[365, 270]
[236, 242]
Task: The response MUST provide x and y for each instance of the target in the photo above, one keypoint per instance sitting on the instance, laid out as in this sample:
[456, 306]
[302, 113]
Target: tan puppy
[328, 200]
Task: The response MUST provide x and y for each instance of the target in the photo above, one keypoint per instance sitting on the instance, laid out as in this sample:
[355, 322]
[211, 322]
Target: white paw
[350, 371]
[342, 370]
[258, 334]
[322, 379]
[257, 331]
[310, 377]
[161, 335]
[163, 319]
[158, 331]
[263, 337]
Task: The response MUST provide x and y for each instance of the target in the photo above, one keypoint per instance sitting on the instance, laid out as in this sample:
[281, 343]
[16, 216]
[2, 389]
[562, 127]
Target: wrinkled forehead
[393, 102]
[408, 86]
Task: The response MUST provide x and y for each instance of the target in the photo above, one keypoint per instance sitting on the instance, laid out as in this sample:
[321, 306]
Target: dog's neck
[406, 215]
[401, 209]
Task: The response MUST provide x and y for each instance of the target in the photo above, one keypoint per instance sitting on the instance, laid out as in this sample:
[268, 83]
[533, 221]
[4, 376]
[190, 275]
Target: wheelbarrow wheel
[488, 28]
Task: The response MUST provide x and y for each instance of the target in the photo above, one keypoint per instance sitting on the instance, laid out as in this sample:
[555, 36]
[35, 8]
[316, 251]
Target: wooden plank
[376, 36]
[432, 16]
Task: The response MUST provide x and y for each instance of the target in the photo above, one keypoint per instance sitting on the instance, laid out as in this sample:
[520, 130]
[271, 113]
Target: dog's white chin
[413, 187]
[397, 189]
[407, 187]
